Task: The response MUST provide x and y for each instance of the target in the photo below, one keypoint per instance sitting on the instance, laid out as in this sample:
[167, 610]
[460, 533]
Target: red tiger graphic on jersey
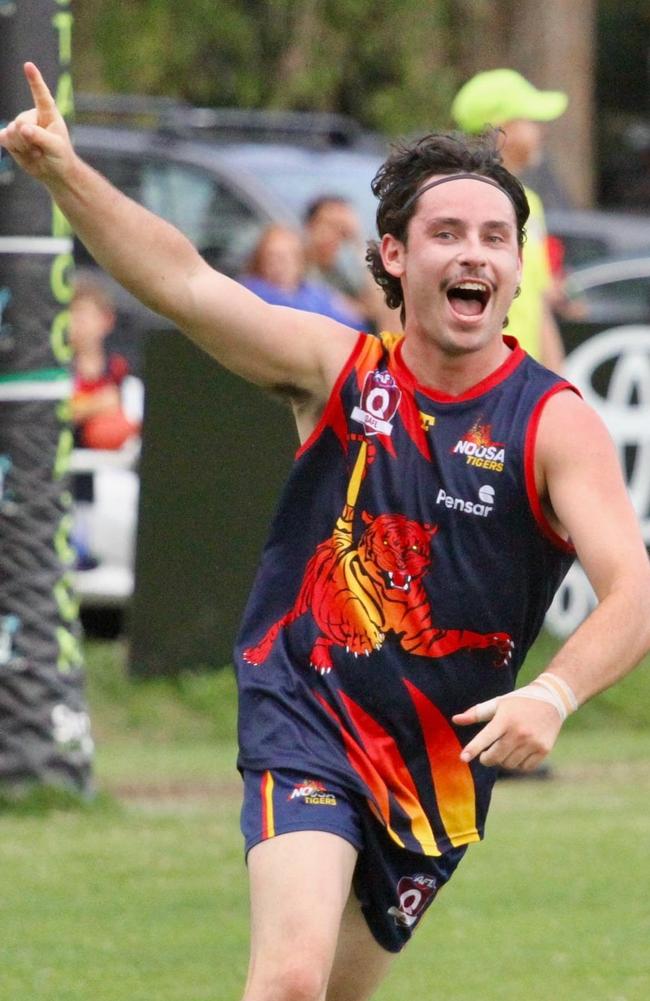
[358, 594]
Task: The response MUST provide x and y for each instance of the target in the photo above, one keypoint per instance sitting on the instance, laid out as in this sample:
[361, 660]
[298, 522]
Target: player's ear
[392, 253]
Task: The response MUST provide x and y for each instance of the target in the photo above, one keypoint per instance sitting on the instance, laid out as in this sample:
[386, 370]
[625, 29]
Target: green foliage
[389, 65]
[189, 708]
[39, 800]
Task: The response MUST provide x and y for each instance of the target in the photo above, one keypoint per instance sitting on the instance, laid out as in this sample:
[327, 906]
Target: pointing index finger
[479, 713]
[43, 100]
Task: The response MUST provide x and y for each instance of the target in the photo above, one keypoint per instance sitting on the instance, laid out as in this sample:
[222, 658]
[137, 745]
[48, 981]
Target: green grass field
[141, 896]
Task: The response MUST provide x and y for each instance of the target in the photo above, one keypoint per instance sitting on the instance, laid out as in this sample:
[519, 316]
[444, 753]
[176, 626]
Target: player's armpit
[282, 349]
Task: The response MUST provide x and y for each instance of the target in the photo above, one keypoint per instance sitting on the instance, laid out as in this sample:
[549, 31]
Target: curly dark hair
[409, 164]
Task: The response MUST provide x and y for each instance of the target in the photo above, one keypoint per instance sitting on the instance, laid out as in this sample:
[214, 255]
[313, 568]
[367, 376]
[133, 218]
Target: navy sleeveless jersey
[409, 556]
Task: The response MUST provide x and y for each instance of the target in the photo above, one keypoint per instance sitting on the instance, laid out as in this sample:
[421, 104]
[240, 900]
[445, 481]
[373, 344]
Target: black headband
[457, 177]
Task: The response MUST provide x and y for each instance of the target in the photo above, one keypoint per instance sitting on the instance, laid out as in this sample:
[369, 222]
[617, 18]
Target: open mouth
[397, 579]
[468, 298]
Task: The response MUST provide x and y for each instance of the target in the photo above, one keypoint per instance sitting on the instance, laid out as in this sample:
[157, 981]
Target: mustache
[467, 275]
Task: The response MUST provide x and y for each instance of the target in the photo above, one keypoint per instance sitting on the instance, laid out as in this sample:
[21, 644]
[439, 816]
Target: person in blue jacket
[276, 271]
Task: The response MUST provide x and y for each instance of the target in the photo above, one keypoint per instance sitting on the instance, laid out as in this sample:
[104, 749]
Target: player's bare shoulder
[570, 428]
[578, 471]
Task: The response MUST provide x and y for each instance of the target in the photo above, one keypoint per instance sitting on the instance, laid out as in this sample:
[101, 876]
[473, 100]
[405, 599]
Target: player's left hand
[38, 139]
[520, 732]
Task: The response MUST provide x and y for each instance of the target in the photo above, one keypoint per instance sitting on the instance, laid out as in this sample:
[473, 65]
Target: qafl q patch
[379, 401]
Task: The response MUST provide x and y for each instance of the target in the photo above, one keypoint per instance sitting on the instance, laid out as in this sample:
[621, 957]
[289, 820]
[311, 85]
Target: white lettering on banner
[625, 409]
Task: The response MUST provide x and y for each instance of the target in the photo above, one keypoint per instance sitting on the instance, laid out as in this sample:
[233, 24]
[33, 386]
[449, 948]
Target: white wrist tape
[547, 688]
[561, 694]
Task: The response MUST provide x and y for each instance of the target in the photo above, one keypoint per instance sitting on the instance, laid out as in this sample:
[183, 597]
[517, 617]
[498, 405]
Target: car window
[624, 301]
[220, 224]
[123, 172]
[298, 177]
[299, 188]
[580, 250]
[217, 221]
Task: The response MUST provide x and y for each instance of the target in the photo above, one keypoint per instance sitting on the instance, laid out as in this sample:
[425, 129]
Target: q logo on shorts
[379, 400]
[415, 894]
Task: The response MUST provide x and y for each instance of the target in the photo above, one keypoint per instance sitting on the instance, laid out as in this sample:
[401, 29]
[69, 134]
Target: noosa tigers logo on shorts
[380, 398]
[313, 792]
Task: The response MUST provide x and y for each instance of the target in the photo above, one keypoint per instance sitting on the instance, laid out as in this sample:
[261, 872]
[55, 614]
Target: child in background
[97, 412]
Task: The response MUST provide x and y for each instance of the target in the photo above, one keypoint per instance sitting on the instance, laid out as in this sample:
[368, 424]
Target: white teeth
[472, 286]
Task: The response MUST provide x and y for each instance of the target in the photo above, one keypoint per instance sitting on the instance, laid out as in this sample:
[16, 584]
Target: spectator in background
[336, 255]
[506, 99]
[97, 411]
[276, 272]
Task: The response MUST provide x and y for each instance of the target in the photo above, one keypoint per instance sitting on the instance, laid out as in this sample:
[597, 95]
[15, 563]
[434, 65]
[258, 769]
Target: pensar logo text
[312, 792]
[481, 509]
[479, 449]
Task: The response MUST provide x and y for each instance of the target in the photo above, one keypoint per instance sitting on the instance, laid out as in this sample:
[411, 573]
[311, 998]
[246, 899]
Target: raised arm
[270, 345]
[580, 474]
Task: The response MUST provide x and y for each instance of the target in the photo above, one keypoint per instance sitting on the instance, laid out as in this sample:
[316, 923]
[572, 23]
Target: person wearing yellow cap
[505, 99]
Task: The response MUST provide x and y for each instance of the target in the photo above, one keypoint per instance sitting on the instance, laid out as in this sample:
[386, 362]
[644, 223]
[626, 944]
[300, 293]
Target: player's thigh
[360, 963]
[299, 884]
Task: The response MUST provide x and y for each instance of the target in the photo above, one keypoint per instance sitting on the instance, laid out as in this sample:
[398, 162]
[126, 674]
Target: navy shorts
[394, 886]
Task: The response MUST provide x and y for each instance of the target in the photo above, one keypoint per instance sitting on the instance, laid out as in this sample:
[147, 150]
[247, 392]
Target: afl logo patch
[380, 398]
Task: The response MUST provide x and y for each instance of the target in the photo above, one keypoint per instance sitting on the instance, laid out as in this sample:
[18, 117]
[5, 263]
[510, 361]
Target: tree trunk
[553, 45]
